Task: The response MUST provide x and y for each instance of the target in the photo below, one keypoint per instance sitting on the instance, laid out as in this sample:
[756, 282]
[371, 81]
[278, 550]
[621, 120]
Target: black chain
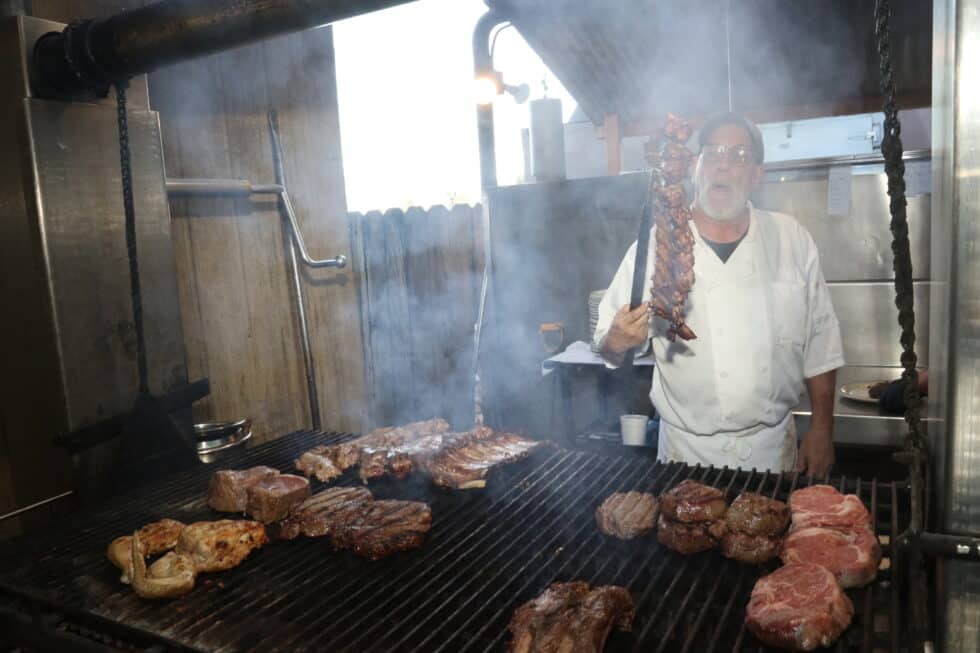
[891, 150]
[126, 171]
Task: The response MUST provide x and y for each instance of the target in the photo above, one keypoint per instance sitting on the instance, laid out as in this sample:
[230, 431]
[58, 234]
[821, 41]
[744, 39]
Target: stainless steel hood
[954, 355]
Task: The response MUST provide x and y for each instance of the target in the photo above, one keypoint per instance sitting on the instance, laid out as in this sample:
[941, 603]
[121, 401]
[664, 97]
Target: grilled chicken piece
[220, 545]
[754, 514]
[273, 498]
[169, 577]
[691, 501]
[155, 538]
[228, 489]
[627, 514]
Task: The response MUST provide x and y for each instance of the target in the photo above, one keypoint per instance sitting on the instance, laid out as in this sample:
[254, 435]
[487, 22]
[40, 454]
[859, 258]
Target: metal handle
[245, 188]
[43, 502]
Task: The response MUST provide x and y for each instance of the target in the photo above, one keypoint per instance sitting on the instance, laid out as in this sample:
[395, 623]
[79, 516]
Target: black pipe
[483, 66]
[90, 55]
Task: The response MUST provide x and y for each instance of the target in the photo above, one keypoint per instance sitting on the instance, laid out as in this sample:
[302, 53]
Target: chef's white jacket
[764, 323]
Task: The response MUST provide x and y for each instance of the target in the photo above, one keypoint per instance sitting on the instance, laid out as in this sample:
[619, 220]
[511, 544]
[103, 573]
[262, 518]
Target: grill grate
[488, 552]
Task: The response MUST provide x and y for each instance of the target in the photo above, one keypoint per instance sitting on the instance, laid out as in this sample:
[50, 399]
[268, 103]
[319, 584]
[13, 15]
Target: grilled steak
[691, 501]
[228, 489]
[380, 528]
[754, 514]
[852, 556]
[466, 462]
[627, 514]
[323, 513]
[273, 498]
[570, 618]
[154, 539]
[754, 549]
[373, 463]
[824, 507]
[220, 545]
[318, 462]
[799, 607]
[689, 538]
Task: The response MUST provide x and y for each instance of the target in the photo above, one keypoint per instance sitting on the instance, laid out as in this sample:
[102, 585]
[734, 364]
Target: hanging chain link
[891, 150]
[126, 171]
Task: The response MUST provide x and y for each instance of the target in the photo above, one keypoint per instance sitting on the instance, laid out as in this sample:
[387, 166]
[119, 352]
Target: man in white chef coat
[764, 321]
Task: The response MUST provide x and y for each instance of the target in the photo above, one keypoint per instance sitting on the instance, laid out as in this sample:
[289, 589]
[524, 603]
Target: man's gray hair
[729, 118]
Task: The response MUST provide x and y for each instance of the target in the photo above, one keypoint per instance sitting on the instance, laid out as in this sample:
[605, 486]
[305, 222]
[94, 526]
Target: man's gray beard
[726, 213]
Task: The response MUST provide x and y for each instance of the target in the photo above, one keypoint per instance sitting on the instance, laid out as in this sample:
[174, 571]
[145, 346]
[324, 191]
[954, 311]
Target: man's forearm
[821, 389]
[610, 356]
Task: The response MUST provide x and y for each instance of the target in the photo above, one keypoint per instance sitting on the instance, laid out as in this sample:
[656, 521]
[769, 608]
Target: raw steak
[798, 607]
[825, 507]
[852, 556]
[273, 498]
[228, 489]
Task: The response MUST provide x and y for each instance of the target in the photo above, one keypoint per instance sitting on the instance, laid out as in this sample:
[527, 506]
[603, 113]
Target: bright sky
[407, 113]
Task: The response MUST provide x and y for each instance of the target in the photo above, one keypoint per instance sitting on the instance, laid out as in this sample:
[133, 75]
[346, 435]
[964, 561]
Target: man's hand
[816, 453]
[628, 329]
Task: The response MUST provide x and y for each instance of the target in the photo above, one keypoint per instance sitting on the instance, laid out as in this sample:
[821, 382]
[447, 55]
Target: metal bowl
[216, 440]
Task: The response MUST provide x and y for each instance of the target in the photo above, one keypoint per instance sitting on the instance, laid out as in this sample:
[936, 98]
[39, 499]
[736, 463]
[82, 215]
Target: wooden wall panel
[236, 302]
[241, 327]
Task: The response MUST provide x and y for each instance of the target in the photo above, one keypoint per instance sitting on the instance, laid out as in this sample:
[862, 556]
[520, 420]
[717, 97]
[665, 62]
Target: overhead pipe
[88, 56]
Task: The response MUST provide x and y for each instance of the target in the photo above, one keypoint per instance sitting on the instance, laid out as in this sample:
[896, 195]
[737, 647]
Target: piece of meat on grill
[228, 489]
[373, 463]
[570, 618]
[465, 464]
[824, 507]
[273, 498]
[852, 556]
[169, 577]
[754, 514]
[799, 607]
[689, 538]
[155, 538]
[220, 545]
[322, 513]
[627, 514]
[691, 501]
[753, 549]
[318, 462]
[379, 528]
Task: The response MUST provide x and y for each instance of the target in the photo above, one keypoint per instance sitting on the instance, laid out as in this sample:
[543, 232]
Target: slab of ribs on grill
[571, 618]
[453, 460]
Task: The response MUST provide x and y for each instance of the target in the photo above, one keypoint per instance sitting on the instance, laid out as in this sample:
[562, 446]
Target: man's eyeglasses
[736, 155]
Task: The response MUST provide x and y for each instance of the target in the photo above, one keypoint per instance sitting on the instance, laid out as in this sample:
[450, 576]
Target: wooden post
[614, 149]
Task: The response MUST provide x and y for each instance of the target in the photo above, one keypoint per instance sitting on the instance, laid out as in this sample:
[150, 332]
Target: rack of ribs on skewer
[673, 274]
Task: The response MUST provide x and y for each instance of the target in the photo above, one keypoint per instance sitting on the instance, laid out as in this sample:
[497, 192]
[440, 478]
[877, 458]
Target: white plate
[859, 391]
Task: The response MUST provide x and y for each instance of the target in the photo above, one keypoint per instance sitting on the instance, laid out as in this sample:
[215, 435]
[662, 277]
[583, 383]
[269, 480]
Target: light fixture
[488, 85]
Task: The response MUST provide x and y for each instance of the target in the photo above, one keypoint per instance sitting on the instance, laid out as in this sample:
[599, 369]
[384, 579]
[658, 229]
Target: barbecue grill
[488, 552]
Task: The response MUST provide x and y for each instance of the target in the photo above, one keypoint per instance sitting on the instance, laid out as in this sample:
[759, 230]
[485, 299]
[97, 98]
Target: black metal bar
[88, 56]
[483, 67]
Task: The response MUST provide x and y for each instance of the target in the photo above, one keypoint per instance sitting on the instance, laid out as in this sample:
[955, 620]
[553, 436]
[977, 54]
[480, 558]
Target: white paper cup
[633, 429]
